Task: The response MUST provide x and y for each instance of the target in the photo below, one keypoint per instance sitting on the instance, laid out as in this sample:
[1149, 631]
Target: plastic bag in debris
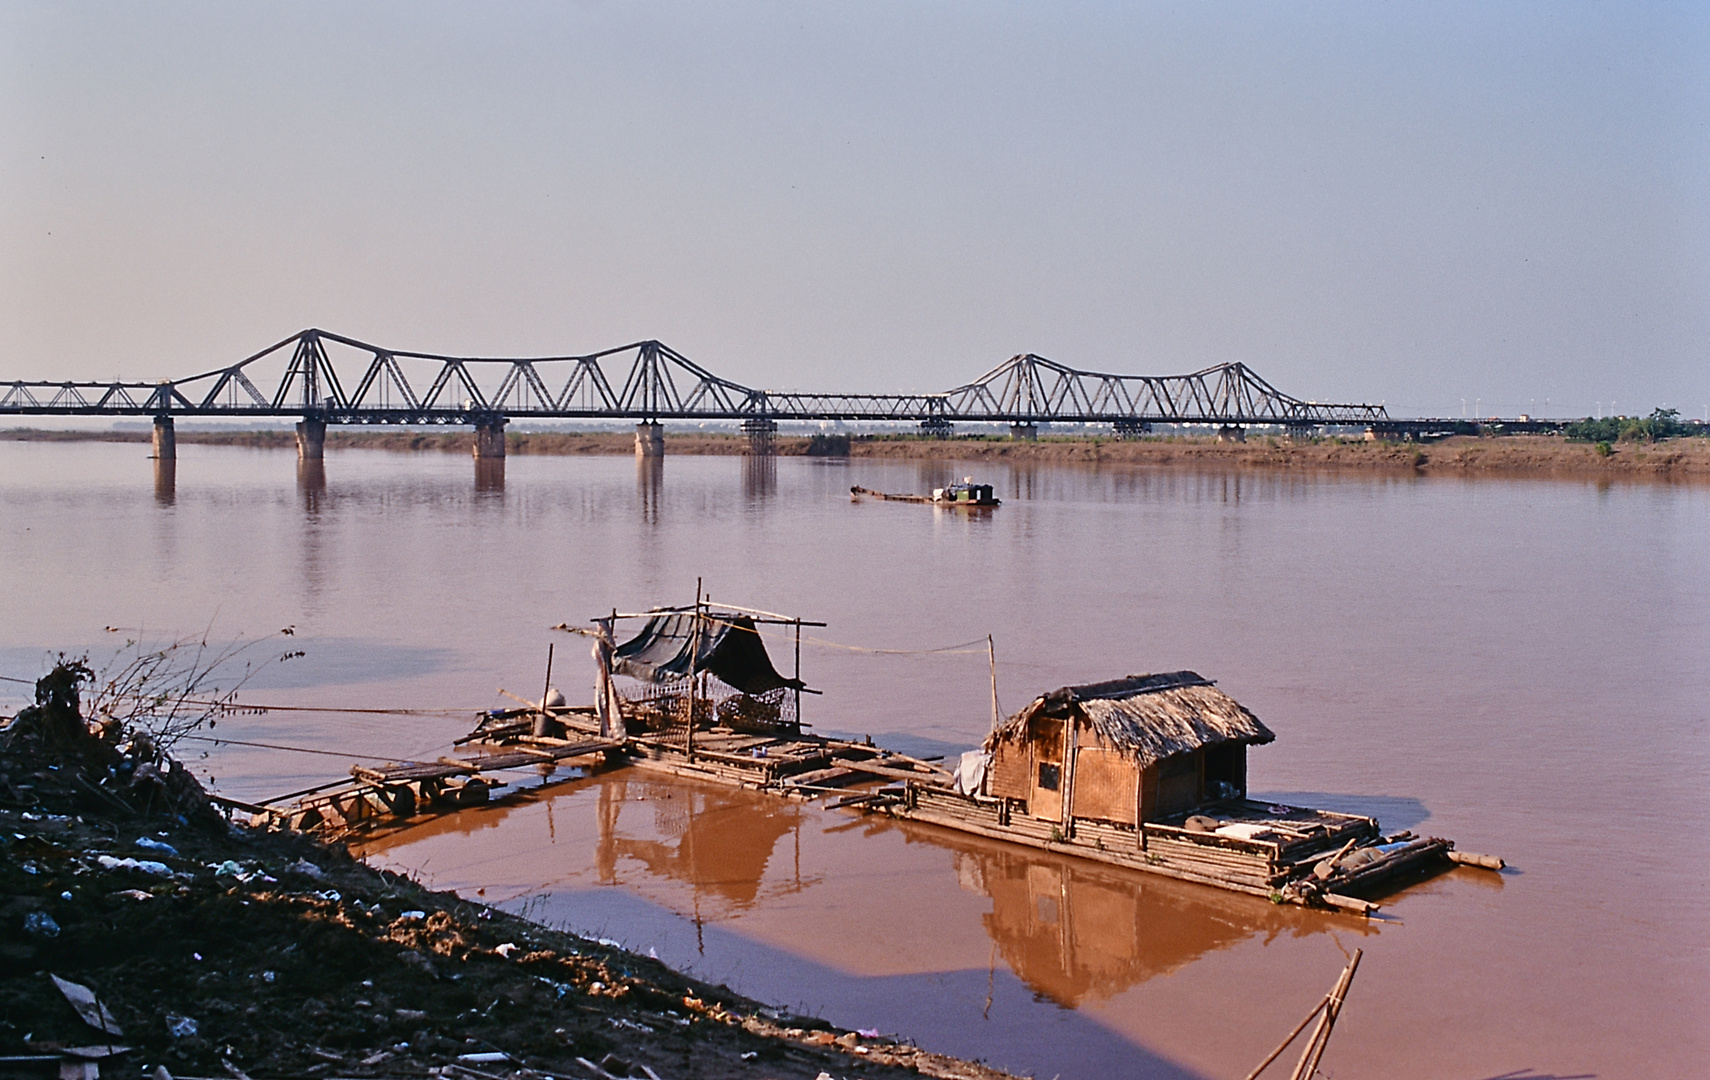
[40, 924]
[229, 868]
[307, 869]
[180, 1027]
[88, 1008]
[147, 866]
[155, 845]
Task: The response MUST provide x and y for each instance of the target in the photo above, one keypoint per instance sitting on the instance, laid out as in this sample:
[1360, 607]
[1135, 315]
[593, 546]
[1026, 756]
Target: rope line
[276, 746]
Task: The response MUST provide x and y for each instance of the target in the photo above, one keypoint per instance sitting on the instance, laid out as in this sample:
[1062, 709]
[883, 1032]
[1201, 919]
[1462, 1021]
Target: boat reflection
[1069, 929]
[718, 841]
[1073, 930]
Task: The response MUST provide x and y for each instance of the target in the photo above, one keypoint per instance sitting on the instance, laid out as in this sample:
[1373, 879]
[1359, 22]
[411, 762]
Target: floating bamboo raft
[1301, 855]
[1136, 740]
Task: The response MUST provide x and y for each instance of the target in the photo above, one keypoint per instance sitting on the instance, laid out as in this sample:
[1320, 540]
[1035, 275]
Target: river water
[1519, 665]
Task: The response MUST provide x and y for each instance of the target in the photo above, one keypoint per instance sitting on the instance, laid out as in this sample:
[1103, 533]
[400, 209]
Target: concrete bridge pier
[1231, 433]
[490, 438]
[165, 480]
[650, 439]
[311, 439]
[1025, 432]
[165, 439]
[762, 435]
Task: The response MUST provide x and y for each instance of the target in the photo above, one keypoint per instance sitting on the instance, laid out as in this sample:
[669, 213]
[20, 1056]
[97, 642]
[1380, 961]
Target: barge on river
[966, 495]
[1147, 772]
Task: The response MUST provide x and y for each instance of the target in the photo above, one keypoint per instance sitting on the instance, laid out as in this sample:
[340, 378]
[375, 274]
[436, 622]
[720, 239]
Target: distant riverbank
[1513, 455]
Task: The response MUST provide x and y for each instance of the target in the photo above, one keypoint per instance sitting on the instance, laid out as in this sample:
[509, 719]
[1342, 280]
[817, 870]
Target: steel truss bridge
[321, 376]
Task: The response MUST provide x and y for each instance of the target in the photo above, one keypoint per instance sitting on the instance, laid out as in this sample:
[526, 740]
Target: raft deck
[1285, 853]
[1263, 849]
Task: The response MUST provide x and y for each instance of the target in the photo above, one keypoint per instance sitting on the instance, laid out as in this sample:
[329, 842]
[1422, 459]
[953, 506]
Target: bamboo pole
[694, 655]
[991, 651]
[1326, 1022]
[1325, 1011]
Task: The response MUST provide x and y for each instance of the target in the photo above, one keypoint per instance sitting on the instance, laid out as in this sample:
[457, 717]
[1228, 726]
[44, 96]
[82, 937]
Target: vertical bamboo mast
[543, 720]
[694, 656]
[991, 651]
[798, 671]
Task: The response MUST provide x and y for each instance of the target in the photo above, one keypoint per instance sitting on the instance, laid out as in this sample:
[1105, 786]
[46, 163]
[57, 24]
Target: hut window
[1050, 776]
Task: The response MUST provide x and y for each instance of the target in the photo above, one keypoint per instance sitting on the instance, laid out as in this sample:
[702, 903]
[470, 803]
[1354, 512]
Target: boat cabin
[1140, 749]
[967, 492]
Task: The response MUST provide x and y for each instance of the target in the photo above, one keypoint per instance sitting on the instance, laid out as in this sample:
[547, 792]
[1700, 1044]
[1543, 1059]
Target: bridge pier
[1231, 433]
[1131, 429]
[490, 438]
[311, 439]
[936, 427]
[165, 439]
[650, 439]
[1027, 432]
[165, 480]
[762, 435]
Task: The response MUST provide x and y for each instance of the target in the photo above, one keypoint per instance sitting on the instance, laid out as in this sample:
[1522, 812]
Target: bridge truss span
[321, 376]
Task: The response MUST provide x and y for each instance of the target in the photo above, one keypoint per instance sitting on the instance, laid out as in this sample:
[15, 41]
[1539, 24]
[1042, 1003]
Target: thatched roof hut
[1128, 750]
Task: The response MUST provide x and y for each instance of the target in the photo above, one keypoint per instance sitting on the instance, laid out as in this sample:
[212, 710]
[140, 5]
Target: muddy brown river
[1523, 666]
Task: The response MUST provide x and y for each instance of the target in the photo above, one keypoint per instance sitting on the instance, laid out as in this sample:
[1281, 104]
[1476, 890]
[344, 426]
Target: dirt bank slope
[224, 950]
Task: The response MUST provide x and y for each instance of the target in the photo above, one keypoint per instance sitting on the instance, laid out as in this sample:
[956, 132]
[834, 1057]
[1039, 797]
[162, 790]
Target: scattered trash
[506, 949]
[40, 924]
[196, 956]
[307, 869]
[83, 1000]
[155, 845]
[492, 1057]
[750, 1055]
[867, 1033]
[66, 895]
[159, 869]
[269, 976]
[623, 1024]
[409, 1016]
[651, 953]
[229, 868]
[411, 916]
[132, 894]
[180, 1027]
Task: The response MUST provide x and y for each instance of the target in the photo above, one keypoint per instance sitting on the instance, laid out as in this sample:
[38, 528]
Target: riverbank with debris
[222, 950]
[1679, 459]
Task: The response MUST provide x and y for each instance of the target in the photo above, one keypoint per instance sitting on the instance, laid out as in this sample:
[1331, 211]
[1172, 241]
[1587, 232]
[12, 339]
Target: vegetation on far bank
[1659, 446]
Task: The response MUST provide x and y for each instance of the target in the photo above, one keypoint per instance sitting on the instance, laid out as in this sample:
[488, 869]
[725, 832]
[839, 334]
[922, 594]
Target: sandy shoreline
[1682, 459]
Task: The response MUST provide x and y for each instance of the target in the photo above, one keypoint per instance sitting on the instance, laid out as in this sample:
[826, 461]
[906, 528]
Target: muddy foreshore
[228, 951]
[1681, 459]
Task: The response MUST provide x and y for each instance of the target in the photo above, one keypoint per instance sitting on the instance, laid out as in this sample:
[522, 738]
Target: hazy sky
[1415, 203]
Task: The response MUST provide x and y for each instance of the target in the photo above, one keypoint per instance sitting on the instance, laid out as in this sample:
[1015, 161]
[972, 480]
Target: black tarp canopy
[729, 646]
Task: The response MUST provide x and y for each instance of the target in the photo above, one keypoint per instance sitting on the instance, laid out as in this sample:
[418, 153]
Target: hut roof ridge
[1150, 716]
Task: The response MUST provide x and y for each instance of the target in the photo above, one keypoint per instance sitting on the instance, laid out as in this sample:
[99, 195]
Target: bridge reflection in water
[831, 887]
